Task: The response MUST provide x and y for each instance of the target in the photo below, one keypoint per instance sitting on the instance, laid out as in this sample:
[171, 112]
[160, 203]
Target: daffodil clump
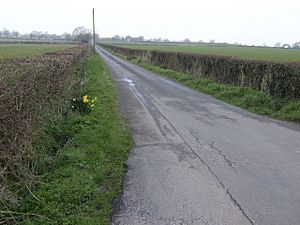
[83, 104]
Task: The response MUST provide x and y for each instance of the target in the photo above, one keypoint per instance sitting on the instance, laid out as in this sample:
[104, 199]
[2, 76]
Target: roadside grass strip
[88, 172]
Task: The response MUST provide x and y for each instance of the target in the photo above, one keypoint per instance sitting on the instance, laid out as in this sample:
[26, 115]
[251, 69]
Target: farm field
[253, 53]
[23, 50]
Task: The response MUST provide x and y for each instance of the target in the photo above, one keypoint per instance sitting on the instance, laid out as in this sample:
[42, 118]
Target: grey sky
[243, 21]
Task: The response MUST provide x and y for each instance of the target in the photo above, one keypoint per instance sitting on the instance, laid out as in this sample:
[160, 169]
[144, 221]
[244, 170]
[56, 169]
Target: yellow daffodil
[85, 99]
[86, 105]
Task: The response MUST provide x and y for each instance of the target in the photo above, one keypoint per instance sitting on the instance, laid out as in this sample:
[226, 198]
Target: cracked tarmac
[198, 160]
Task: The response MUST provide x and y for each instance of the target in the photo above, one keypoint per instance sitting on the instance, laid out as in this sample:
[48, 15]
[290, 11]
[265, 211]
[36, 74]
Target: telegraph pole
[94, 37]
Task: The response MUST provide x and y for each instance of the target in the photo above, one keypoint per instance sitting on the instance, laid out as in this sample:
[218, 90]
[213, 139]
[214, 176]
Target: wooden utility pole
[94, 37]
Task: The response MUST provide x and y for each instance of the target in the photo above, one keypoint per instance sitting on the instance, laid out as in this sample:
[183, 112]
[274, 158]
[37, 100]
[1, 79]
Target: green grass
[23, 50]
[254, 53]
[87, 173]
[246, 98]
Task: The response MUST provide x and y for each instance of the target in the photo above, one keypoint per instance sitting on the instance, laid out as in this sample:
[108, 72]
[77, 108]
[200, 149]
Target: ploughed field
[253, 53]
[23, 50]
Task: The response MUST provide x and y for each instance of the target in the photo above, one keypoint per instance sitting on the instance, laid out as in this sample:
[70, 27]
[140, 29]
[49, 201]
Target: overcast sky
[242, 21]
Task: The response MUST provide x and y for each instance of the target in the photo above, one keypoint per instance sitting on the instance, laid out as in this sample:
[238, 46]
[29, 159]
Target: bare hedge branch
[28, 86]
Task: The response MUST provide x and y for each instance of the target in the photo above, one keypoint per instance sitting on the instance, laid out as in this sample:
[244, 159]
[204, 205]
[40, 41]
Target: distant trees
[186, 40]
[296, 45]
[157, 39]
[277, 45]
[15, 34]
[286, 46]
[43, 35]
[36, 35]
[117, 38]
[66, 36]
[140, 38]
[128, 38]
[82, 34]
[5, 33]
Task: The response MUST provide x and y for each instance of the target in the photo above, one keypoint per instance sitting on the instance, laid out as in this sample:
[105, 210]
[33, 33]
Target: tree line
[81, 34]
[295, 45]
[128, 38]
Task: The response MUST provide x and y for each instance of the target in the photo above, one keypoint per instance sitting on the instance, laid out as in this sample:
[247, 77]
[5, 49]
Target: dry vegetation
[60, 166]
[28, 87]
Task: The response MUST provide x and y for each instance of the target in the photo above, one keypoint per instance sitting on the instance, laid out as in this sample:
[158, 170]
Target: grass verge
[243, 97]
[88, 170]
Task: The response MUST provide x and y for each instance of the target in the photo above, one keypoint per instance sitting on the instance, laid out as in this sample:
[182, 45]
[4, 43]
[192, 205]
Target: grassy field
[23, 50]
[246, 98]
[254, 53]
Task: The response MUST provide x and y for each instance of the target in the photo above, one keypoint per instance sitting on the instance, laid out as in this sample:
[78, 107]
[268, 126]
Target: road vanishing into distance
[198, 160]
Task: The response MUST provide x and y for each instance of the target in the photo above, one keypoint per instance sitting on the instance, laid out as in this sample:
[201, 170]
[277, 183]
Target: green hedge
[277, 79]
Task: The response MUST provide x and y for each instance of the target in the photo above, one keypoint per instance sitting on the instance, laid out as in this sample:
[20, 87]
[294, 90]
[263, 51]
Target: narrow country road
[198, 160]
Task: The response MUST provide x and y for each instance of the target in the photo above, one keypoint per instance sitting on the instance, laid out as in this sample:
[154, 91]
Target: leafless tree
[286, 46]
[277, 45]
[36, 35]
[5, 32]
[66, 36]
[296, 45]
[128, 38]
[15, 34]
[82, 34]
[187, 40]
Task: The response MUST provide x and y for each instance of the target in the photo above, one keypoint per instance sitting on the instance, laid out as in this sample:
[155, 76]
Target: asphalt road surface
[198, 160]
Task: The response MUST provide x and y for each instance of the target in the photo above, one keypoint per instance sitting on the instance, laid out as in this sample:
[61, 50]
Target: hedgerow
[277, 79]
[29, 87]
